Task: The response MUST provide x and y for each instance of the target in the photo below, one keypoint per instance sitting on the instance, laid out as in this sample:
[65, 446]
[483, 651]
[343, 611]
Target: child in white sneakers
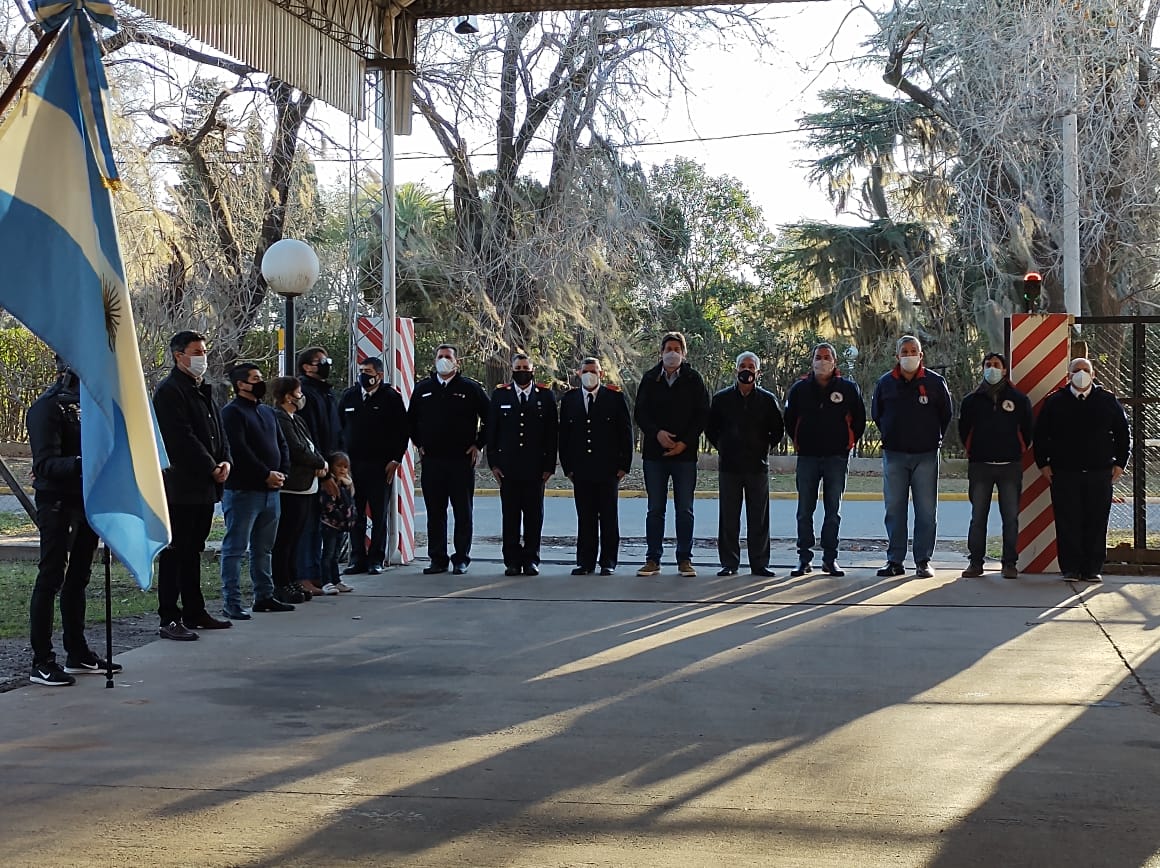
[337, 521]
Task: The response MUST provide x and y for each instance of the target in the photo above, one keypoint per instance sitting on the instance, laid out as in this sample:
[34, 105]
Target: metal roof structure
[323, 47]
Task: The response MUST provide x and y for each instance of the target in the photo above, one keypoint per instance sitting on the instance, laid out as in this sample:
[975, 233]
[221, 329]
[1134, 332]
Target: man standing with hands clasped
[744, 425]
[672, 407]
[912, 408]
[521, 451]
[1082, 445]
[595, 453]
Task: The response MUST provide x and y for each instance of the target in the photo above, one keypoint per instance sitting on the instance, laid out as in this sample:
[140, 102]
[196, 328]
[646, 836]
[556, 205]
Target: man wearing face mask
[744, 425]
[1082, 445]
[595, 453]
[374, 435]
[320, 413]
[251, 503]
[190, 423]
[912, 408]
[672, 407]
[448, 421]
[522, 430]
[995, 427]
[825, 416]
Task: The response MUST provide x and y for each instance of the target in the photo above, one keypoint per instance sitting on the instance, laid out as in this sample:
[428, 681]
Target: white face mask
[444, 366]
[910, 363]
[1082, 380]
[198, 365]
[993, 375]
[671, 359]
[300, 401]
[823, 367]
[589, 380]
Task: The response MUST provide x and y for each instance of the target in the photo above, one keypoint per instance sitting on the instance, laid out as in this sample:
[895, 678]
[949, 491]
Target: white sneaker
[330, 589]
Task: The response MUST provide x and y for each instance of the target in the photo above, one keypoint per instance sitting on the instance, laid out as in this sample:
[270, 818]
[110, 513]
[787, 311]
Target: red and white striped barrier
[369, 342]
[1040, 346]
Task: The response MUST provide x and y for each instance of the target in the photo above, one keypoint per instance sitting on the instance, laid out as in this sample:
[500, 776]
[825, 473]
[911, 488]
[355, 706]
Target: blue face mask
[994, 376]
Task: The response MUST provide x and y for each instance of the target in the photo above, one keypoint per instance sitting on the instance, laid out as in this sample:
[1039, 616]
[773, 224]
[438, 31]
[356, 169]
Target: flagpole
[107, 559]
[26, 69]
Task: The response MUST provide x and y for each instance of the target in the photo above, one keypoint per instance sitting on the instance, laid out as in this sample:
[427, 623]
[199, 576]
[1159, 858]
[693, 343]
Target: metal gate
[1120, 349]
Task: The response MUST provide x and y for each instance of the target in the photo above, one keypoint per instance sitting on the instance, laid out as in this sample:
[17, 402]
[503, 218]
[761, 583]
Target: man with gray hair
[912, 408]
[744, 425]
[825, 416]
[1082, 443]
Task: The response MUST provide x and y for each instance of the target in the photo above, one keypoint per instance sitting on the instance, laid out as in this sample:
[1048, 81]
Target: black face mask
[258, 390]
[521, 378]
[367, 381]
[746, 377]
[324, 369]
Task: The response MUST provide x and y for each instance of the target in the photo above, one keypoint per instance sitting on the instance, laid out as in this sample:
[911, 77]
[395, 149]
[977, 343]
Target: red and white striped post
[369, 342]
[1040, 346]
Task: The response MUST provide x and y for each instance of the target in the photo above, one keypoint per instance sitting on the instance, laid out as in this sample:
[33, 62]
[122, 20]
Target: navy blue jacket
[1092, 434]
[824, 420]
[594, 447]
[522, 441]
[256, 443]
[191, 427]
[912, 415]
[375, 429]
[996, 429]
[682, 409]
[446, 420]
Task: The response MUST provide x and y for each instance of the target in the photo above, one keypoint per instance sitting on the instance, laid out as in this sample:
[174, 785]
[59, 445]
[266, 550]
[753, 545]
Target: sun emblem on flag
[112, 301]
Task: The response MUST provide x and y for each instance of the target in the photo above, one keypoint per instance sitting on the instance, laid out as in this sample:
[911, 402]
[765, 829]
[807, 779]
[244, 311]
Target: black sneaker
[50, 675]
[923, 570]
[90, 665]
[271, 604]
[892, 568]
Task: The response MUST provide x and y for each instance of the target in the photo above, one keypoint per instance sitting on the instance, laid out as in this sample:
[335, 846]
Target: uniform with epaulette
[595, 450]
[521, 445]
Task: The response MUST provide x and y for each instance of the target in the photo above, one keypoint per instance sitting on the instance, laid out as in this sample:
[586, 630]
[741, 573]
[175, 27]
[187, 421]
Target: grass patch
[16, 524]
[18, 577]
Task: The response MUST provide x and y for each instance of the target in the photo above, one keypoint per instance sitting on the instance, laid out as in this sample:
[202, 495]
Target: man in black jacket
[744, 425]
[521, 451]
[595, 453]
[824, 416]
[67, 542]
[375, 434]
[251, 503]
[199, 463]
[672, 406]
[995, 428]
[448, 421]
[320, 413]
[1082, 445]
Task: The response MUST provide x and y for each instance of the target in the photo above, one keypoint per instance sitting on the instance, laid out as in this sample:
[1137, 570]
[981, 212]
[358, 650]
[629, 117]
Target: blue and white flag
[63, 279]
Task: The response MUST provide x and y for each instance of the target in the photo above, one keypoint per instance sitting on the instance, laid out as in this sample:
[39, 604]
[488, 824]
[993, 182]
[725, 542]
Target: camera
[466, 25]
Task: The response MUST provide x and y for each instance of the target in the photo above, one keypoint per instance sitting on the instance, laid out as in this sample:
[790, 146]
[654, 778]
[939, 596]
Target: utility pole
[1071, 253]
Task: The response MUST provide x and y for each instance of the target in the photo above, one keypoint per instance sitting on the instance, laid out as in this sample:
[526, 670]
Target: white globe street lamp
[290, 268]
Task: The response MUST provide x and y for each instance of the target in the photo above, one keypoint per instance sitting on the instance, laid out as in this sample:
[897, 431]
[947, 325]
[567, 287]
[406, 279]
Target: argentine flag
[64, 280]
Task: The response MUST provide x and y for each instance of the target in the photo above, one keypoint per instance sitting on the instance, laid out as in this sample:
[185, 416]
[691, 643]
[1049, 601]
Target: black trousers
[67, 544]
[1082, 500]
[179, 565]
[597, 520]
[448, 481]
[293, 511]
[370, 491]
[522, 503]
[754, 489]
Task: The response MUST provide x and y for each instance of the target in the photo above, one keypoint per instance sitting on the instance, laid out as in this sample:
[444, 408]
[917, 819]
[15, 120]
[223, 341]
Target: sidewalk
[482, 720]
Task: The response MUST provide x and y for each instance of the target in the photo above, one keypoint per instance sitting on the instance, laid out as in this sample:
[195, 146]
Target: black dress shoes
[460, 569]
[177, 632]
[831, 568]
[531, 570]
[607, 571]
[510, 571]
[271, 604]
[923, 570]
[763, 571]
[801, 570]
[354, 569]
[433, 570]
[726, 571]
[892, 568]
[582, 571]
[375, 569]
[205, 621]
[238, 614]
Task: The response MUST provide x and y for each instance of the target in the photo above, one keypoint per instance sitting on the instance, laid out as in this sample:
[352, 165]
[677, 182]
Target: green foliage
[27, 368]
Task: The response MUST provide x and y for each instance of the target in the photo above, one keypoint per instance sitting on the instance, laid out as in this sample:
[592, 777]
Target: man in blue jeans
[672, 407]
[912, 408]
[250, 502]
[825, 416]
[995, 426]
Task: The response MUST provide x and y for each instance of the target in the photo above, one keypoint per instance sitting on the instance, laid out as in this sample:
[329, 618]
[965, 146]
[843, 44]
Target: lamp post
[290, 268]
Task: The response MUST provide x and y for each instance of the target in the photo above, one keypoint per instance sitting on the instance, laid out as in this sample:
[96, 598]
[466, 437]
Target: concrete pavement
[481, 720]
